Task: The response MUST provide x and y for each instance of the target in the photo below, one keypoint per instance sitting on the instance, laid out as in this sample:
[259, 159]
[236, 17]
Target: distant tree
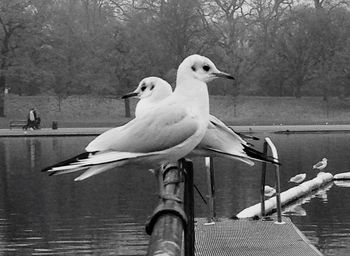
[159, 34]
[15, 18]
[264, 18]
[181, 29]
[226, 18]
[328, 37]
[341, 59]
[104, 47]
[78, 37]
[293, 46]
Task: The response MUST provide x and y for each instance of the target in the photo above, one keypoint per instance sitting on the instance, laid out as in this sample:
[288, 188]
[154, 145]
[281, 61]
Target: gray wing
[164, 128]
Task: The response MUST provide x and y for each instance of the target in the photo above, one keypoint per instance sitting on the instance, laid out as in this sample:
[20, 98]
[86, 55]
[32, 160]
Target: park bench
[18, 124]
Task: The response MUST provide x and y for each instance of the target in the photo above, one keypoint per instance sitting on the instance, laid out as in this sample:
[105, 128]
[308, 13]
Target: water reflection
[342, 183]
[42, 215]
[33, 151]
[87, 236]
[296, 210]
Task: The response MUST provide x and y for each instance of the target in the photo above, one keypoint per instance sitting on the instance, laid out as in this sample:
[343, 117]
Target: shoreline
[94, 131]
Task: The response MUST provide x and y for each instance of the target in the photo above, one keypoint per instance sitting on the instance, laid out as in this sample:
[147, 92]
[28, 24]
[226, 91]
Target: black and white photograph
[175, 127]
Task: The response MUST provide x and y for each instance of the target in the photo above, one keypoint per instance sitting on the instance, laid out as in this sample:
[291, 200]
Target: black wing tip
[259, 155]
[213, 123]
[46, 169]
[67, 162]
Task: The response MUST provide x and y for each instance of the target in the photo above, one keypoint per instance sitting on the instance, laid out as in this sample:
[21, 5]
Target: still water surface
[105, 215]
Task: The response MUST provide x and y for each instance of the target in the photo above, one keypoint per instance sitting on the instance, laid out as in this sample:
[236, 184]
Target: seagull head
[201, 68]
[153, 88]
[324, 160]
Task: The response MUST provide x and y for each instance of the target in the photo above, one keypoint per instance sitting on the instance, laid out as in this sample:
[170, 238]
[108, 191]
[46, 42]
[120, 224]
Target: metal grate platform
[251, 237]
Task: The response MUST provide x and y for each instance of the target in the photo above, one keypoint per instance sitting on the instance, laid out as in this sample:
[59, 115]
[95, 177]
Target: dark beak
[224, 75]
[129, 95]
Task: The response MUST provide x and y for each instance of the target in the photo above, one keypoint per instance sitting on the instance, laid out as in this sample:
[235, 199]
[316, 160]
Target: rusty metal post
[263, 181]
[278, 195]
[168, 221]
[187, 167]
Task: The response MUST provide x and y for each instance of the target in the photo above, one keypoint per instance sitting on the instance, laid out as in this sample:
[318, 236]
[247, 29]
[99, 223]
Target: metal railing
[174, 215]
[268, 143]
[209, 167]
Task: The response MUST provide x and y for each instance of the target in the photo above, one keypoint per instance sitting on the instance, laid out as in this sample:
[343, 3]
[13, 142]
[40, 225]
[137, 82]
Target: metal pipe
[211, 188]
[278, 195]
[262, 186]
[168, 221]
[187, 167]
[166, 237]
[278, 183]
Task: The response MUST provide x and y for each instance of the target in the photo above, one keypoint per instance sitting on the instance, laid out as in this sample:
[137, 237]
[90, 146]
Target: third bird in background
[298, 178]
[269, 191]
[320, 165]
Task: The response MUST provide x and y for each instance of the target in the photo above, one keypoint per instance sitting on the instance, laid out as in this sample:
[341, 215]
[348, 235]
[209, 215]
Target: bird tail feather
[94, 170]
[101, 160]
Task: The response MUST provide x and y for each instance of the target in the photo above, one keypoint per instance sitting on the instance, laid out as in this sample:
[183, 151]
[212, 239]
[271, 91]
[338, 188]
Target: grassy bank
[84, 111]
[281, 110]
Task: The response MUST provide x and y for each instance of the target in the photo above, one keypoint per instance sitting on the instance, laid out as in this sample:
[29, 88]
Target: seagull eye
[206, 68]
[193, 68]
[143, 88]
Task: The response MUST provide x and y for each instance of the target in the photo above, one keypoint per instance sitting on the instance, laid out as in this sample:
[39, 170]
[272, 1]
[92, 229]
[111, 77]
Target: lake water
[106, 214]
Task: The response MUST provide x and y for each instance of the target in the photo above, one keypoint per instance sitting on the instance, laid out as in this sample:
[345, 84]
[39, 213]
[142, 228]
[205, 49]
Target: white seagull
[320, 165]
[219, 140]
[298, 178]
[269, 191]
[169, 132]
[151, 90]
